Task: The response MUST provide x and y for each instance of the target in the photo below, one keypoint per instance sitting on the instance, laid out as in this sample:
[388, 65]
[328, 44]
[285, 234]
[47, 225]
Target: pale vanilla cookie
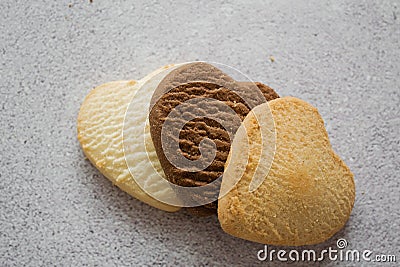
[308, 193]
[100, 132]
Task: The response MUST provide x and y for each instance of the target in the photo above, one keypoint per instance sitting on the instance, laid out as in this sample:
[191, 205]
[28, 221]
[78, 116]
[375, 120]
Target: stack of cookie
[189, 135]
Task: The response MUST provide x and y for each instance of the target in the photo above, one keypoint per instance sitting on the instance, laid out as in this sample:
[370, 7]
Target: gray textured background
[56, 208]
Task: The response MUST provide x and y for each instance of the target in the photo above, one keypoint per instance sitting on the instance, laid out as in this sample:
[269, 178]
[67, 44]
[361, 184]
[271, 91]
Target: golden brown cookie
[308, 193]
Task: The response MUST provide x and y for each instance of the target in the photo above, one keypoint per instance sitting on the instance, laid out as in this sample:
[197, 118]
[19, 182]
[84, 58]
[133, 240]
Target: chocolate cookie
[208, 105]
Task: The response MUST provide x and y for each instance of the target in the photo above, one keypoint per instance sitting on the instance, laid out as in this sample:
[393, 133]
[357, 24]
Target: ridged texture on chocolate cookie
[199, 81]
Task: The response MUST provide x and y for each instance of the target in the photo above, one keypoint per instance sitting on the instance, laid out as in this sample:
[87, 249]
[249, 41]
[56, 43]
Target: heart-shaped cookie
[100, 132]
[187, 84]
[308, 193]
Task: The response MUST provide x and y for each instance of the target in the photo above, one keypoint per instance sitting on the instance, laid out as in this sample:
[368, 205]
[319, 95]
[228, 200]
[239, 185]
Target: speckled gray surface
[56, 208]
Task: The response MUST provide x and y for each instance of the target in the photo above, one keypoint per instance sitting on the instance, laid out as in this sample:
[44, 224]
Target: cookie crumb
[272, 59]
